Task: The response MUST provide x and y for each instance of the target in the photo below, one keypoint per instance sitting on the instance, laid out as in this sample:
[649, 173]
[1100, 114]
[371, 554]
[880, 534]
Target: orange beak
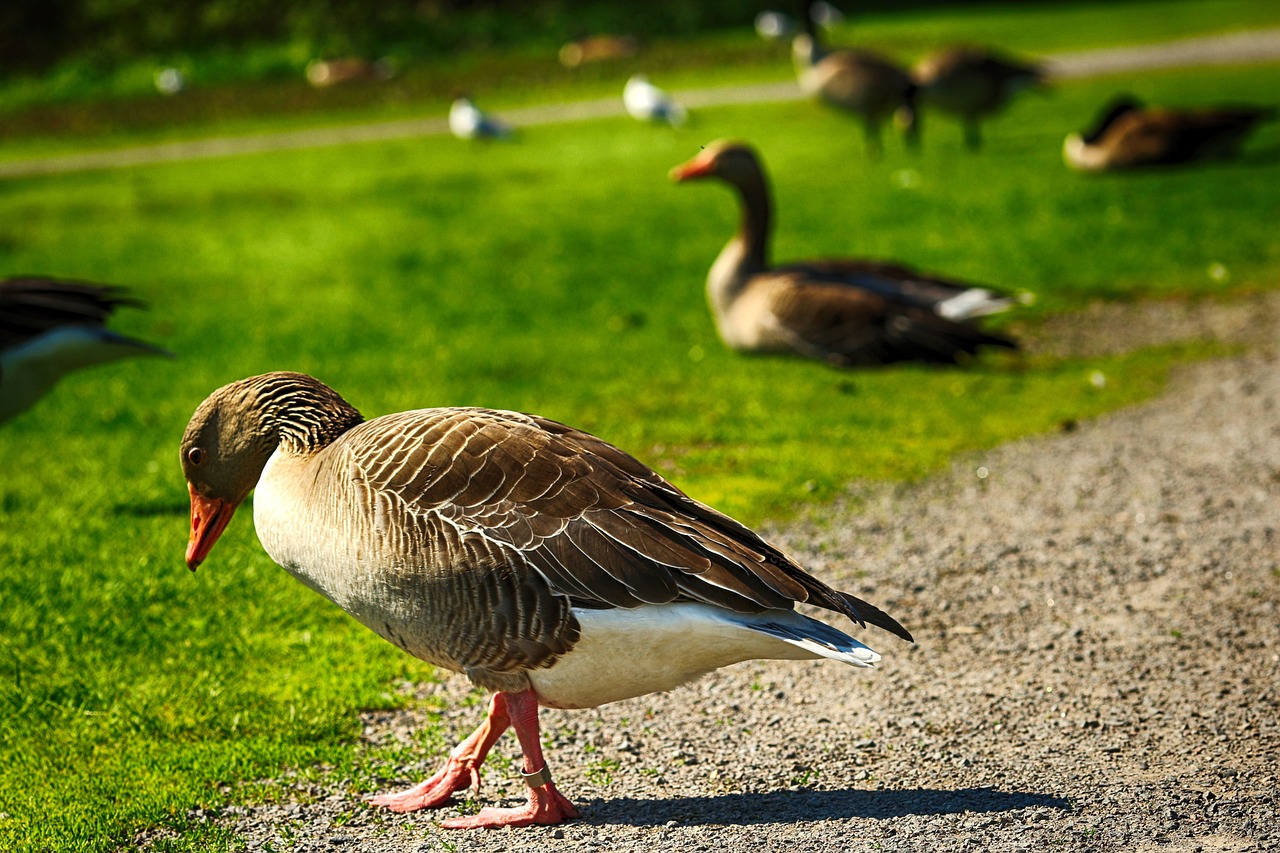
[209, 517]
[698, 167]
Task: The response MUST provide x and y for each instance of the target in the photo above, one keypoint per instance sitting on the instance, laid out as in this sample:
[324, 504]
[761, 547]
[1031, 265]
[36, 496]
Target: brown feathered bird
[50, 327]
[845, 312]
[972, 84]
[857, 81]
[1128, 135]
[545, 564]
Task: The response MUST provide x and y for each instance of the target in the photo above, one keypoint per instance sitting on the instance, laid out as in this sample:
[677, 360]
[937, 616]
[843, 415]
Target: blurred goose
[545, 564]
[49, 328]
[467, 121]
[646, 102]
[857, 81]
[844, 312]
[972, 83]
[775, 26]
[1129, 135]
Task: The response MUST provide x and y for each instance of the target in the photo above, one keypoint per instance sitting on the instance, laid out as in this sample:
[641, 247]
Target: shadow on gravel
[790, 806]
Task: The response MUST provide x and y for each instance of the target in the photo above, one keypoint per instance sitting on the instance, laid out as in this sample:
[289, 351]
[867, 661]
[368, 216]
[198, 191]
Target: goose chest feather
[542, 562]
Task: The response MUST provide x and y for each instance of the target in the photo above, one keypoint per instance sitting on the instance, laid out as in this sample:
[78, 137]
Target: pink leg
[461, 771]
[546, 805]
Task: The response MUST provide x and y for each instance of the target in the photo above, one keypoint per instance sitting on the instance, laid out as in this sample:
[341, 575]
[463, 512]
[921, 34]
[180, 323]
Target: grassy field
[262, 89]
[561, 275]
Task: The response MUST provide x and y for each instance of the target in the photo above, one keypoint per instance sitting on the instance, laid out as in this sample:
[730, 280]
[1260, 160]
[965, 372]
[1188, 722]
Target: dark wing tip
[865, 613]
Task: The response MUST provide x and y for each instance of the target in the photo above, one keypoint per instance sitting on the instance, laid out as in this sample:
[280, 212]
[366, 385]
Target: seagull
[646, 102]
[467, 121]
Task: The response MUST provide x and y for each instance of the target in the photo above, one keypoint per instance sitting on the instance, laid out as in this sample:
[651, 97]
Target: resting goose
[646, 102]
[844, 312]
[857, 81]
[49, 328]
[1128, 135]
[543, 563]
[467, 121]
[972, 83]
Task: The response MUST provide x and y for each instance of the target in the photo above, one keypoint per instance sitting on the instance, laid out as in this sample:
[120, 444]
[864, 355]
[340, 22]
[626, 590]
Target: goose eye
[195, 456]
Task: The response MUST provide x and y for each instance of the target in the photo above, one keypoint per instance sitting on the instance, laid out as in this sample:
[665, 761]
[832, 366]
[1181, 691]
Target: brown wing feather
[31, 306]
[851, 326]
[574, 517]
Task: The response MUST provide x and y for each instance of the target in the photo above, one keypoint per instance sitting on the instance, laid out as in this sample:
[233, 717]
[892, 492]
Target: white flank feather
[627, 653]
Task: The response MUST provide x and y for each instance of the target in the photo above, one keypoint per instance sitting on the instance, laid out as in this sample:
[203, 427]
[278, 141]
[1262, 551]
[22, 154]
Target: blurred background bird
[858, 81]
[972, 84]
[467, 121]
[49, 328]
[1128, 135]
[845, 312]
[646, 102]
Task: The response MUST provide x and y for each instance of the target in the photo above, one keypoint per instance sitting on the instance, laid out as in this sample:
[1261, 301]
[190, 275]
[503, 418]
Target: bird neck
[302, 413]
[747, 252]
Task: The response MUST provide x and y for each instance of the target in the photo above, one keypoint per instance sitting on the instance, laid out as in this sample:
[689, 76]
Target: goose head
[233, 434]
[732, 162]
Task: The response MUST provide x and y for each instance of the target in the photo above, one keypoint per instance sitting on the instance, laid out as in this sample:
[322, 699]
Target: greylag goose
[857, 81]
[467, 121]
[543, 563]
[844, 312]
[1128, 135]
[49, 328]
[972, 83]
[646, 102]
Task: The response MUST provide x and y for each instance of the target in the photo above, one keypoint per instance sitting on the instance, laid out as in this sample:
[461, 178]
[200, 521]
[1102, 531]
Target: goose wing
[33, 305]
[565, 514]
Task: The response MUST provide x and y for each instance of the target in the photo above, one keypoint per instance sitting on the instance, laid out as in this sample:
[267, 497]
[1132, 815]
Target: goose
[973, 83]
[646, 102]
[845, 312]
[1128, 135]
[858, 81]
[50, 327]
[467, 121]
[546, 565]
[776, 26]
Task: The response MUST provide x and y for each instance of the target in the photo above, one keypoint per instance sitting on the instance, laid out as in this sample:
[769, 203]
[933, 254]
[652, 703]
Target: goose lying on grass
[1129, 135]
[543, 563]
[845, 312]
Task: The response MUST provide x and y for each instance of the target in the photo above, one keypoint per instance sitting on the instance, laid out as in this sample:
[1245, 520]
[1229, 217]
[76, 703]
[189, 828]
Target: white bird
[49, 328]
[545, 564]
[646, 102]
[467, 121]
[774, 26]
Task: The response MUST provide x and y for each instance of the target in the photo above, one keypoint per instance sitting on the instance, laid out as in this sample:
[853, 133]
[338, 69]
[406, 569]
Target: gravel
[1096, 667]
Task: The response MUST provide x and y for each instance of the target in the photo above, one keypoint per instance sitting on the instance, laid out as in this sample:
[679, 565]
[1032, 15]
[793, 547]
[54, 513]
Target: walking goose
[1128, 135]
[543, 563]
[845, 312]
[857, 81]
[972, 83]
[49, 328]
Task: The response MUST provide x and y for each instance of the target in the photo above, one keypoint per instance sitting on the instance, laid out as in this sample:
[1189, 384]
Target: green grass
[560, 275]
[262, 88]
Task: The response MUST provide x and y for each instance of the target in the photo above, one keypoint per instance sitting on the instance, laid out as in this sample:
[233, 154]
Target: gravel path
[1096, 668]
[1229, 49]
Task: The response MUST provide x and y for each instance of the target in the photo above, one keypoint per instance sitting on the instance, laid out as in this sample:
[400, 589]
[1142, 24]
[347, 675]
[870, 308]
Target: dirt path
[1229, 49]
[1097, 666]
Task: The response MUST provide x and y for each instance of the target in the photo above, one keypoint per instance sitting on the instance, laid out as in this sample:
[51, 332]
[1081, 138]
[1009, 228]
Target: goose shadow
[792, 806]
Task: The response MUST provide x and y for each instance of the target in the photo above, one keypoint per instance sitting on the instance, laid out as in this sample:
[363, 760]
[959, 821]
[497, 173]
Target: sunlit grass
[561, 275]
